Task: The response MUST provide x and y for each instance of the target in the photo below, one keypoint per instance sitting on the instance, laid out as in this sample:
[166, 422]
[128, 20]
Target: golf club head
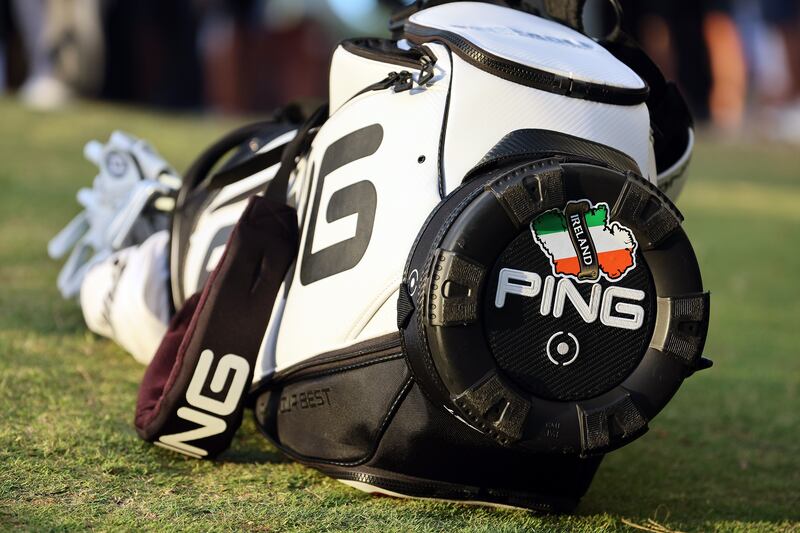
[68, 237]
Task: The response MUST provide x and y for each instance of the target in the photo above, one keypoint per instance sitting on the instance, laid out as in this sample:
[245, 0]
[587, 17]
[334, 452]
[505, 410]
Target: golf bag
[464, 279]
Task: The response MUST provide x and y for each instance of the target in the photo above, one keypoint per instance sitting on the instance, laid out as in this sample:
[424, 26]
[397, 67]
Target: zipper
[361, 354]
[417, 57]
[421, 58]
[525, 75]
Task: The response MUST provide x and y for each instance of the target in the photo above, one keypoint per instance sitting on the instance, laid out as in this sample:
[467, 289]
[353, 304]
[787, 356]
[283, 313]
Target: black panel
[533, 144]
[339, 416]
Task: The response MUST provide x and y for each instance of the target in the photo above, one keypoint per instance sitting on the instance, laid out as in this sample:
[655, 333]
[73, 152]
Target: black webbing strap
[197, 182]
[278, 187]
[192, 181]
[197, 175]
[283, 154]
[245, 169]
[199, 170]
[290, 115]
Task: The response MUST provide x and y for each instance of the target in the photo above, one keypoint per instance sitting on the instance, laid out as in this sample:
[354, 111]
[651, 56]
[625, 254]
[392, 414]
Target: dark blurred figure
[4, 45]
[784, 15]
[697, 43]
[256, 61]
[783, 99]
[57, 52]
[152, 53]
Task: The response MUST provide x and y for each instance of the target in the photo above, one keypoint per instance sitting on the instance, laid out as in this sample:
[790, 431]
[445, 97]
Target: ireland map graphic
[580, 237]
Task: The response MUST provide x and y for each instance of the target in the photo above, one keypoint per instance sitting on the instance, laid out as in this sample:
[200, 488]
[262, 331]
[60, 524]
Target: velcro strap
[192, 396]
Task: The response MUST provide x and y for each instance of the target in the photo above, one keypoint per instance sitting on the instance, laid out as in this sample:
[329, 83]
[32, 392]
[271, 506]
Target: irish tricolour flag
[613, 243]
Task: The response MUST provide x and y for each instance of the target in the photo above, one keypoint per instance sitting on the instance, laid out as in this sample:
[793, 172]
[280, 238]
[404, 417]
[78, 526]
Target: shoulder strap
[192, 396]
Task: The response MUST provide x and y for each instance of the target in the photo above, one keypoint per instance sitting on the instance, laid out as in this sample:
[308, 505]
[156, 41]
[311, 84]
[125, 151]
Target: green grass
[724, 455]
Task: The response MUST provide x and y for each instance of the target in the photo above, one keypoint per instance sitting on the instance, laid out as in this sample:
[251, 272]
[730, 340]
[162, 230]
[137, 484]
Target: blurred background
[737, 61]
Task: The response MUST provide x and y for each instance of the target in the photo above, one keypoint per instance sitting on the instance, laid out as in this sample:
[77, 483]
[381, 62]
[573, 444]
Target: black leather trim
[530, 144]
[382, 50]
[525, 75]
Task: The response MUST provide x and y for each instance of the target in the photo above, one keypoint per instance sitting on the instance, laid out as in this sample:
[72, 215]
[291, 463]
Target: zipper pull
[427, 60]
[399, 81]
[386, 83]
[403, 81]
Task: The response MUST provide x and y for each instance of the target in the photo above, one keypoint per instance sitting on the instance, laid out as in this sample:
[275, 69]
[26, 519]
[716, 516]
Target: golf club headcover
[130, 287]
[191, 397]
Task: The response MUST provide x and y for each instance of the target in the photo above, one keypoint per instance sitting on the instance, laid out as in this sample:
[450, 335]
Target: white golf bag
[487, 287]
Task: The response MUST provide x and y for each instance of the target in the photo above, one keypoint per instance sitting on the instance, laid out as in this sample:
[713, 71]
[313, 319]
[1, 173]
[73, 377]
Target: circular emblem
[563, 348]
[570, 274]
[554, 294]
[413, 282]
[116, 164]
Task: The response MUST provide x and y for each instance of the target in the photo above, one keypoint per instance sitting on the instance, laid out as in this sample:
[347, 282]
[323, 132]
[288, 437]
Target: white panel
[375, 320]
[351, 73]
[336, 311]
[484, 108]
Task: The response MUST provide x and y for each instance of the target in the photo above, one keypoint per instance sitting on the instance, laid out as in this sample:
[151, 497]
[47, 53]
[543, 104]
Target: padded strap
[192, 397]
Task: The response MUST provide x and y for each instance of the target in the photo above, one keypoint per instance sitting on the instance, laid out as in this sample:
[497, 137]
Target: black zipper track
[528, 76]
[381, 50]
[378, 348]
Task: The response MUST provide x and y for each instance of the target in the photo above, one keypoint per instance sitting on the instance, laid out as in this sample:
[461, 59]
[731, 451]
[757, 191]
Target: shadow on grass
[256, 454]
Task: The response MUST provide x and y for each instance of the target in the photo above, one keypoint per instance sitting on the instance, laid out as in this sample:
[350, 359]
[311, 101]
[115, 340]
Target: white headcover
[131, 178]
[126, 297]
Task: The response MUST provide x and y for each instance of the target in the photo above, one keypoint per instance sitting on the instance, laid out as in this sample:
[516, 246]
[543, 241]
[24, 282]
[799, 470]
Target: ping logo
[232, 370]
[614, 306]
[583, 245]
